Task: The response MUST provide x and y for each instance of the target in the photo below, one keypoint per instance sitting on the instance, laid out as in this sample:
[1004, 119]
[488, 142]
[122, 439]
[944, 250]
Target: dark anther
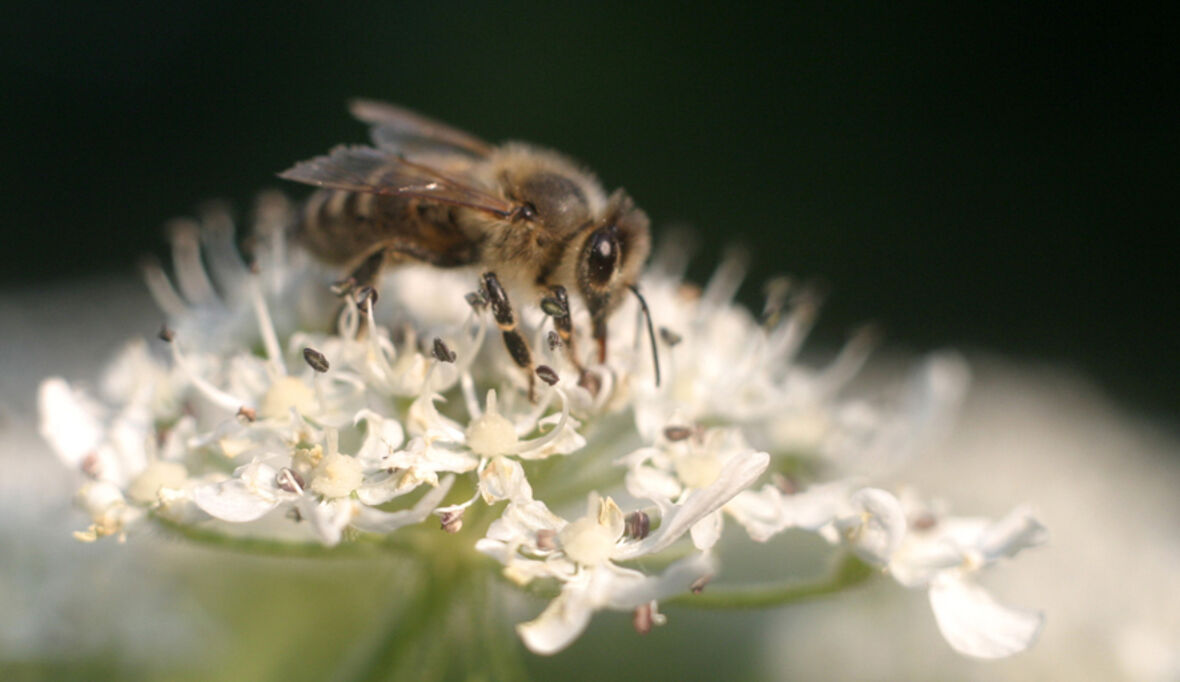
[698, 585]
[316, 359]
[924, 521]
[552, 307]
[451, 521]
[670, 337]
[643, 619]
[248, 414]
[546, 539]
[288, 479]
[441, 351]
[677, 433]
[590, 381]
[636, 525]
[165, 334]
[547, 374]
[365, 297]
[553, 339]
[785, 484]
[91, 465]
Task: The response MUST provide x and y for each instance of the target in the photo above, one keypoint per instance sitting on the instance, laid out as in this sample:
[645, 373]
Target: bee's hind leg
[517, 346]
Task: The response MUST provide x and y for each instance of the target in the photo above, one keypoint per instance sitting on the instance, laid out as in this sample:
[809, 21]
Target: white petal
[975, 624]
[568, 442]
[97, 497]
[917, 562]
[707, 531]
[561, 622]
[759, 512]
[877, 528]
[376, 521]
[651, 483]
[521, 521]
[232, 500]
[328, 518]
[606, 587]
[740, 471]
[423, 419]
[384, 489]
[1016, 531]
[382, 437]
[504, 479]
[676, 579]
[68, 422]
[818, 505]
[128, 435]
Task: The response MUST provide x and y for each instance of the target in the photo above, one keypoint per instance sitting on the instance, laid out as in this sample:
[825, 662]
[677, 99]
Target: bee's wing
[400, 130]
[373, 171]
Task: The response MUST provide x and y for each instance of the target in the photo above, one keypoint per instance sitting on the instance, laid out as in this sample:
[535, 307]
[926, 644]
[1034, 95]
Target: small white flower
[533, 543]
[254, 490]
[770, 511]
[874, 526]
[945, 557]
[677, 475]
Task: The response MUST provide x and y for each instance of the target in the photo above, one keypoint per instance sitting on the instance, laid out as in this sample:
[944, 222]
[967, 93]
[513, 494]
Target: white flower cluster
[268, 413]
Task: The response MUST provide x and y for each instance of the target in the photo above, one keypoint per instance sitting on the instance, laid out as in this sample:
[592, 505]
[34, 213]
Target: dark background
[1001, 177]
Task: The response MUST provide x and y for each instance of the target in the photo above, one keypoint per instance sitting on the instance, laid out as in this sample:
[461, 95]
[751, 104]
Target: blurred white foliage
[1103, 480]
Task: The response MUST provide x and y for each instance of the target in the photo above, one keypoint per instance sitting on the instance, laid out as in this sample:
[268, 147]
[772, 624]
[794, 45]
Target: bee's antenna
[651, 332]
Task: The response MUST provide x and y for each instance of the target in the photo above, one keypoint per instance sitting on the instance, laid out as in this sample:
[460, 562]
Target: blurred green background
[1001, 177]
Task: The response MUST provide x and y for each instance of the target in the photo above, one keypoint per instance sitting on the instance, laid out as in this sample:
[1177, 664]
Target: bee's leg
[518, 348]
[557, 306]
[365, 273]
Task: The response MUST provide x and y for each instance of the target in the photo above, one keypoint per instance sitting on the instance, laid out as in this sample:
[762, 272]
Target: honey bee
[531, 218]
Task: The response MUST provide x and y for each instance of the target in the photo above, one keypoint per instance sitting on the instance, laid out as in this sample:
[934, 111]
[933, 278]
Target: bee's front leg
[518, 348]
[557, 306]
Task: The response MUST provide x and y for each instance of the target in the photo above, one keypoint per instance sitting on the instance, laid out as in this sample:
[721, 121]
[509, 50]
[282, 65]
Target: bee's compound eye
[602, 255]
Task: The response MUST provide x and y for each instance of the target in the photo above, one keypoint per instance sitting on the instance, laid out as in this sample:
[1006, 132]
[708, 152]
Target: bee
[532, 219]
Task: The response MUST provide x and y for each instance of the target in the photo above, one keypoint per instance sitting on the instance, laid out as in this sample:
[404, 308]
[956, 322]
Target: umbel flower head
[271, 409]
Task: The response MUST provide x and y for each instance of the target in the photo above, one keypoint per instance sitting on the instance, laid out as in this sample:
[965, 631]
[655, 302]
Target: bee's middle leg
[517, 346]
[365, 273]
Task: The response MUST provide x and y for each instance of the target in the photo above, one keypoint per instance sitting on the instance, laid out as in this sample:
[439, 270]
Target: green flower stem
[848, 572]
[411, 636]
[501, 649]
[448, 630]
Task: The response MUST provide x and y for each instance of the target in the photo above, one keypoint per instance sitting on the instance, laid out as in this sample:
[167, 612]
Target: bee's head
[611, 256]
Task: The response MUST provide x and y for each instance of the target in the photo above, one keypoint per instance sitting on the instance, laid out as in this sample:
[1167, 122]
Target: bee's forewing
[373, 171]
